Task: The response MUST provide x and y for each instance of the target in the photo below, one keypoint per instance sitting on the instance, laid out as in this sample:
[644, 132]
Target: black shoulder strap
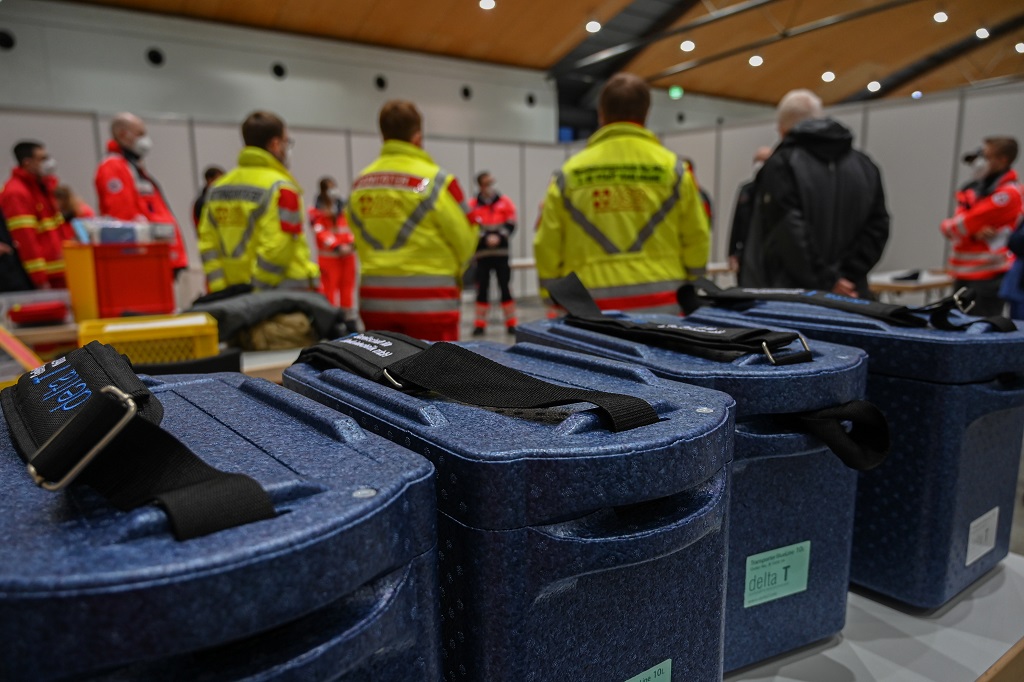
[87, 418]
[723, 344]
[405, 363]
[692, 295]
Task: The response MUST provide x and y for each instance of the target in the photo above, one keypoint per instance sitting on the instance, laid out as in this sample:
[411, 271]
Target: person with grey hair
[127, 191]
[819, 217]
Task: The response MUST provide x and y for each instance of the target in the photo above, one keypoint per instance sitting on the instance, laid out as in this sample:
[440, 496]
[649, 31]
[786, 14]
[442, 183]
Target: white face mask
[757, 166]
[334, 193]
[48, 167]
[979, 168]
[143, 146]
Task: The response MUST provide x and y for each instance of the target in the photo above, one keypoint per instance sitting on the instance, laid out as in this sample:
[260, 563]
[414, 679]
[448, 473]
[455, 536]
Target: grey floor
[532, 309]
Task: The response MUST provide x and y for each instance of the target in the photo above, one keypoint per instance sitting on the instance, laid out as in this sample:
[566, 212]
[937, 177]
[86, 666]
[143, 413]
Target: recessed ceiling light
[982, 33]
[828, 76]
[593, 26]
[687, 46]
[486, 4]
[940, 17]
[755, 60]
[916, 94]
[874, 86]
[1020, 48]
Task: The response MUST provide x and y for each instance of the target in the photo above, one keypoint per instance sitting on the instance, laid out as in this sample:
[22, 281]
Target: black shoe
[511, 329]
[478, 331]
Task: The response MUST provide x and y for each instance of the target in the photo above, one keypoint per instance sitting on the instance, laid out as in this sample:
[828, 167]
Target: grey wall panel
[735, 168]
[853, 118]
[318, 153]
[987, 114]
[913, 145]
[700, 147]
[216, 145]
[365, 148]
[69, 138]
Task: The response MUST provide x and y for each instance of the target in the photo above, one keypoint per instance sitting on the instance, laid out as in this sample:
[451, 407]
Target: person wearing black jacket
[742, 213]
[12, 275]
[820, 220]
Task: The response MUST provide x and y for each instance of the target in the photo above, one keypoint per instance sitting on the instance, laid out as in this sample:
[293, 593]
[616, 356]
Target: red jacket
[980, 205]
[496, 218]
[126, 192]
[329, 237]
[37, 228]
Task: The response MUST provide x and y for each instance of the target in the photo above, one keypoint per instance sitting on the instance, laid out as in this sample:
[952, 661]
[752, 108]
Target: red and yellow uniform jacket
[997, 205]
[127, 192]
[625, 215]
[496, 217]
[411, 233]
[37, 228]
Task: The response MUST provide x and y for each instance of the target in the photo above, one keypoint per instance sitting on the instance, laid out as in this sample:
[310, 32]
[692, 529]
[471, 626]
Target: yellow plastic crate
[155, 338]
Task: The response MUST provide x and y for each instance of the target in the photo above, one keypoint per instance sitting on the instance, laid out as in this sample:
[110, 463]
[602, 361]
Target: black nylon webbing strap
[863, 447]
[405, 363]
[723, 344]
[87, 417]
[692, 295]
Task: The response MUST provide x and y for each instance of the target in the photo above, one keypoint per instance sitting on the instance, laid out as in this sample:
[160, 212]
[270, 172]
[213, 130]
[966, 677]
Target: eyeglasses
[289, 142]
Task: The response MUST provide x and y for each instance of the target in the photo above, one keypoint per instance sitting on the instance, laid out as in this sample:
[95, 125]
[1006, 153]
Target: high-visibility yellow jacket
[250, 231]
[411, 232]
[625, 215]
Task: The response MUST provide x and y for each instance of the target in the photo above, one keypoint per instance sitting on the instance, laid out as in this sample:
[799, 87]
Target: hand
[345, 249]
[985, 233]
[5, 249]
[492, 241]
[734, 264]
[844, 287]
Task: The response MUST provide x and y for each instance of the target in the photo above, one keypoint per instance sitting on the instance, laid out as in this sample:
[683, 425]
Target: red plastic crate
[133, 278]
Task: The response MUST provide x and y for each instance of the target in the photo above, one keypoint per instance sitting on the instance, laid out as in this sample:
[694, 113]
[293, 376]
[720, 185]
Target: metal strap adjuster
[130, 411]
[959, 303]
[771, 358]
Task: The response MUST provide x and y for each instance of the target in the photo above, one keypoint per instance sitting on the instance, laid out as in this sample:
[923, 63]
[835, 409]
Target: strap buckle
[130, 411]
[392, 380]
[771, 358]
[959, 303]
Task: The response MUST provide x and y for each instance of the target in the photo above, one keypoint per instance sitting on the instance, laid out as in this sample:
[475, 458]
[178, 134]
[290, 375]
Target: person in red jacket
[496, 215]
[337, 250]
[126, 190]
[988, 210]
[36, 225]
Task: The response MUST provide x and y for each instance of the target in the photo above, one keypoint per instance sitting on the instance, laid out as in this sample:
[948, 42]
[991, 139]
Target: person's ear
[417, 138]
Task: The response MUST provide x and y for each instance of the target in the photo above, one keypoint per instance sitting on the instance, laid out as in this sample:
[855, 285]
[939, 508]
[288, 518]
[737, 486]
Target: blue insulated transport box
[936, 515]
[791, 504]
[567, 551]
[341, 585]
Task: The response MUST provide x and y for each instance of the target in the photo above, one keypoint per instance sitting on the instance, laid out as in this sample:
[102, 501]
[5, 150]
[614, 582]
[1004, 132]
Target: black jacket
[819, 213]
[741, 219]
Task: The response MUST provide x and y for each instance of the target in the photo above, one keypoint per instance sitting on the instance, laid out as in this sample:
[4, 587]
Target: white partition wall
[996, 113]
[69, 138]
[453, 156]
[735, 167]
[914, 149]
[364, 149]
[539, 163]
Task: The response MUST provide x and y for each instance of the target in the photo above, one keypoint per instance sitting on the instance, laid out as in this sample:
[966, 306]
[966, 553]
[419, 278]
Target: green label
[659, 673]
[776, 573]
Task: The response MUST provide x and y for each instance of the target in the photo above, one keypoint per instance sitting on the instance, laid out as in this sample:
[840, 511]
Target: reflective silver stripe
[977, 256]
[582, 220]
[250, 193]
[696, 272]
[635, 289]
[987, 267]
[408, 305]
[961, 227]
[367, 237]
[267, 266]
[297, 284]
[420, 212]
[209, 255]
[413, 282]
[256, 214]
[659, 216]
[214, 275]
[289, 216]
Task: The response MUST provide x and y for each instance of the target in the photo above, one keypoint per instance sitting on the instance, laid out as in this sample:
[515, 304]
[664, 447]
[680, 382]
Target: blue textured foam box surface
[936, 515]
[787, 488]
[567, 551]
[339, 586]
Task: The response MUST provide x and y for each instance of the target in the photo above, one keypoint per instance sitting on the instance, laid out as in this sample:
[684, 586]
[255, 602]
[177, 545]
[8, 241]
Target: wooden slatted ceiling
[857, 51]
[538, 33]
[527, 33]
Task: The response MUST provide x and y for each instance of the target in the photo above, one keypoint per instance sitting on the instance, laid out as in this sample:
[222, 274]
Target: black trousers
[499, 266]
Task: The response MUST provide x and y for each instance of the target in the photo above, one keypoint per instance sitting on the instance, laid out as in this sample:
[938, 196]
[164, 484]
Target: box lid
[837, 374]
[977, 354]
[512, 469]
[83, 585]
